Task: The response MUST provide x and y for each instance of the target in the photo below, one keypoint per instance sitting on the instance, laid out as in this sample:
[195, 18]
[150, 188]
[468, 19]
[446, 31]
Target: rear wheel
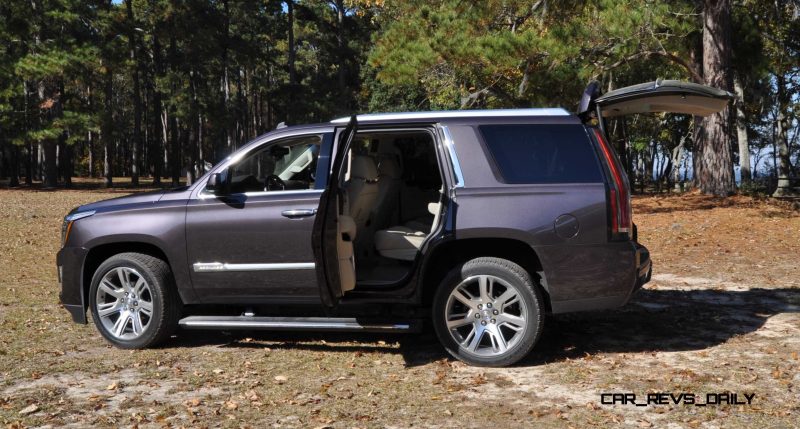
[488, 312]
[133, 300]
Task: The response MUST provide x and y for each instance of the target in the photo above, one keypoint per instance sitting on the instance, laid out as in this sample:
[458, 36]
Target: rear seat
[403, 242]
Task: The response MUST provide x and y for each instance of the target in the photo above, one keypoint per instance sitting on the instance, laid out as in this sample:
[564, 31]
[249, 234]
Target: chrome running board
[330, 324]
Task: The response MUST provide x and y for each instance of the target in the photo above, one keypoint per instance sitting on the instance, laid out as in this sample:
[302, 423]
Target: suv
[480, 221]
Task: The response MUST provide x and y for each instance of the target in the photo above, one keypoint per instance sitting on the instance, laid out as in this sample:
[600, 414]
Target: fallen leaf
[112, 386]
[30, 409]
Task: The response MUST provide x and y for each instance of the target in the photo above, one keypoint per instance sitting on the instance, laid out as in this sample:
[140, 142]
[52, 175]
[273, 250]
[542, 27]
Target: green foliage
[213, 74]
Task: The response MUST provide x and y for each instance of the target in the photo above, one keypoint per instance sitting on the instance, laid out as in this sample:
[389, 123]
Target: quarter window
[542, 153]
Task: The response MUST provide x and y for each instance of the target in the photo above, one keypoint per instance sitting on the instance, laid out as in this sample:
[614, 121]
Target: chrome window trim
[206, 195]
[494, 113]
[451, 150]
[214, 267]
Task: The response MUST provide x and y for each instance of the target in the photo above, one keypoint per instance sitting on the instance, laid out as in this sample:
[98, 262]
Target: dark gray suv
[479, 221]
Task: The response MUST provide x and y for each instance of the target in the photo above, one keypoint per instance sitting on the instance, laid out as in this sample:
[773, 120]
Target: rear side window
[542, 153]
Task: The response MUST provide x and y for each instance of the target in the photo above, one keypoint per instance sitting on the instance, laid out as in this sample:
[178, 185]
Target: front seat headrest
[363, 167]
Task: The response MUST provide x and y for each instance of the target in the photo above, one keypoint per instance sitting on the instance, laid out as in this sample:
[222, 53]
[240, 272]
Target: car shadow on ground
[657, 320]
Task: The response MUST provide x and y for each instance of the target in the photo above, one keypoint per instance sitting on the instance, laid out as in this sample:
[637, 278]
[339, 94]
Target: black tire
[529, 296]
[166, 304]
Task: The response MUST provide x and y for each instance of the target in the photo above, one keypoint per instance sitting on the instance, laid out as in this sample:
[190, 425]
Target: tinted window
[542, 153]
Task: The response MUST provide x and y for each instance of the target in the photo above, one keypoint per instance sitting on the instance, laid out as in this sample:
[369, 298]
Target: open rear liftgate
[330, 324]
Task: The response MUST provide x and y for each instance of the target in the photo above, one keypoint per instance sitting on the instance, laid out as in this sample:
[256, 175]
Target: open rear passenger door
[334, 230]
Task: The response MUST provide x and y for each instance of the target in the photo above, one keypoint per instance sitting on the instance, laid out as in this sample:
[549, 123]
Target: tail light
[619, 194]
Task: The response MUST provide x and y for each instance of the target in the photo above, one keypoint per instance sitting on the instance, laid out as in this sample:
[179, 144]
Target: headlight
[69, 219]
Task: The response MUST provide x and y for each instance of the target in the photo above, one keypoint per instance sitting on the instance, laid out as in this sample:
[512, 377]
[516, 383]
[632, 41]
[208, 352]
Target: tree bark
[137, 97]
[107, 125]
[47, 97]
[226, 85]
[160, 128]
[741, 132]
[175, 155]
[783, 165]
[13, 175]
[677, 159]
[714, 138]
[291, 49]
[340, 43]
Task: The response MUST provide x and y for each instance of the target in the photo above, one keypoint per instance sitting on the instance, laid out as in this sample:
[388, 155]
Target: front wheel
[488, 312]
[133, 300]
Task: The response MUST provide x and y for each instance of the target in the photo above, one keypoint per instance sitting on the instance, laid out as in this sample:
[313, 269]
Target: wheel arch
[447, 255]
[100, 253]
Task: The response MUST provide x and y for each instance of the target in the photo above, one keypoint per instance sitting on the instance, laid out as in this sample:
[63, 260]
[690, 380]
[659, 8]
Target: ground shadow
[656, 320]
[663, 321]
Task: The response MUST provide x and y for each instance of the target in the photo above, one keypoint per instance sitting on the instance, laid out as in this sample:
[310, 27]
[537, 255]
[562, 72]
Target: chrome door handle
[298, 213]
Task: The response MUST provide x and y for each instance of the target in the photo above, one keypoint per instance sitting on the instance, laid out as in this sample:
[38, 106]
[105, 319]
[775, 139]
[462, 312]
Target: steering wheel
[274, 183]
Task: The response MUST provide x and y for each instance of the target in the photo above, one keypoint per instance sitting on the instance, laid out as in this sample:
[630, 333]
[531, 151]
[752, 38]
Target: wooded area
[160, 88]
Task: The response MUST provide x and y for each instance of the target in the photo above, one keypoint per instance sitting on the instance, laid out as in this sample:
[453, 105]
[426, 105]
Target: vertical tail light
[619, 194]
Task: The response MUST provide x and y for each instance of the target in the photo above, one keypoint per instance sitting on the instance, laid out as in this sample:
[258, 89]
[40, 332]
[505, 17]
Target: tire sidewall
[156, 291]
[514, 275]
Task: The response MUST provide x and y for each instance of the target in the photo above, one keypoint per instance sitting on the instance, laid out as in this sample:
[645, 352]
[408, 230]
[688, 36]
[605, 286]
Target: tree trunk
[107, 125]
[47, 97]
[175, 156]
[158, 112]
[29, 166]
[741, 131]
[783, 165]
[226, 86]
[67, 165]
[291, 49]
[714, 138]
[340, 44]
[90, 134]
[677, 159]
[137, 97]
[13, 175]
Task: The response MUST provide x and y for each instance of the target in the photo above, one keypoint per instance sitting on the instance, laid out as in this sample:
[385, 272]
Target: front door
[253, 244]
[333, 248]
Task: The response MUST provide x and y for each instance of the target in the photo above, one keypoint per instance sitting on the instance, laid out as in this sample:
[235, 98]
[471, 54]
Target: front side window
[542, 153]
[284, 165]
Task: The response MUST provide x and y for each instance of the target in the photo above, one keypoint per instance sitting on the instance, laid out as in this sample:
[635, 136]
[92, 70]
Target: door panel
[326, 237]
[253, 243]
[243, 247]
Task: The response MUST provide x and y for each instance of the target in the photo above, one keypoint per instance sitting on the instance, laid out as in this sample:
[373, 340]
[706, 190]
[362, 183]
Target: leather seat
[362, 188]
[345, 235]
[389, 181]
[403, 242]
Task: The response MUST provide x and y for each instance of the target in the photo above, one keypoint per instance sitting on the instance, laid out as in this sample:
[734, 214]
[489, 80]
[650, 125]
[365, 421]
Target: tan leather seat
[345, 235]
[362, 188]
[384, 212]
[402, 242]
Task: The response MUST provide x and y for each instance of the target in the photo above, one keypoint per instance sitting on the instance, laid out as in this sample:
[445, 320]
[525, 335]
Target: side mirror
[217, 183]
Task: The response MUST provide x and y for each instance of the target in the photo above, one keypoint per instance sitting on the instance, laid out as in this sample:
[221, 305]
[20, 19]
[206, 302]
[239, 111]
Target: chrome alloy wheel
[124, 303]
[485, 315]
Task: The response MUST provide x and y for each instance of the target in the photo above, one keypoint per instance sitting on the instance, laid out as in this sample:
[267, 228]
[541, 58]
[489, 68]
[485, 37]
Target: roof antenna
[281, 125]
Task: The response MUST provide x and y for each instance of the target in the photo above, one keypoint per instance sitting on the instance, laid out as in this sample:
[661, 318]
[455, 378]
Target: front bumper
[69, 262]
